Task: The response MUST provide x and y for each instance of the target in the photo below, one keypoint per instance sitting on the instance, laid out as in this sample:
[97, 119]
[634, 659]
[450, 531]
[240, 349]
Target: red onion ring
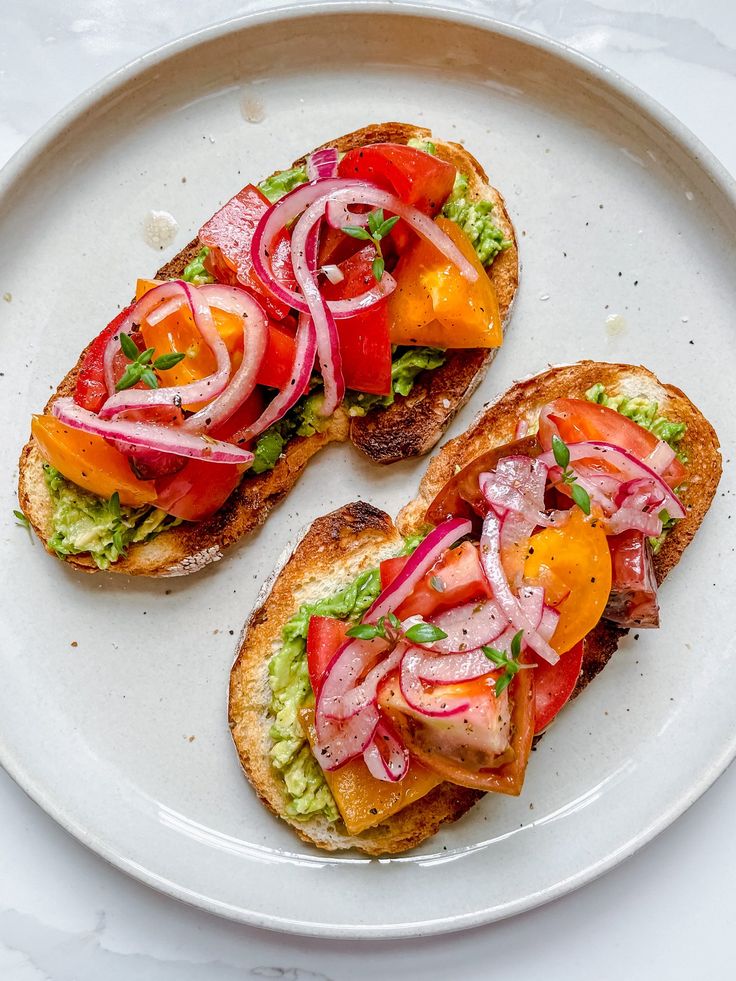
[202, 390]
[451, 669]
[490, 557]
[392, 763]
[233, 299]
[468, 627]
[339, 216]
[322, 163]
[149, 436]
[317, 194]
[353, 700]
[629, 466]
[419, 562]
[415, 695]
[345, 741]
[349, 663]
[301, 372]
[304, 246]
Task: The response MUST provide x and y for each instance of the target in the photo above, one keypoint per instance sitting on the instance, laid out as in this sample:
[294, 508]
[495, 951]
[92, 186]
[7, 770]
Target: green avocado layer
[84, 522]
[288, 677]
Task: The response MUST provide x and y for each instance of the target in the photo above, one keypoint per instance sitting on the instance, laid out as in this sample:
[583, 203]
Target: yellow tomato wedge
[362, 800]
[434, 304]
[177, 332]
[573, 563]
[88, 461]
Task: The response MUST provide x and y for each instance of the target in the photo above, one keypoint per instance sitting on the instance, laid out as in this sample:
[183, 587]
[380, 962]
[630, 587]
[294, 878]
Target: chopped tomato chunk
[365, 345]
[324, 636]
[230, 233]
[434, 304]
[90, 462]
[418, 178]
[456, 578]
[633, 600]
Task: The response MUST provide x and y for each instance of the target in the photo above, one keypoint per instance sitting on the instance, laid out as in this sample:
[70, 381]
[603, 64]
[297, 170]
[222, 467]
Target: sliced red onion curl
[349, 664]
[322, 163]
[304, 247]
[420, 562]
[625, 463]
[490, 556]
[415, 695]
[451, 669]
[203, 390]
[468, 627]
[314, 198]
[301, 372]
[661, 457]
[345, 741]
[386, 756]
[149, 436]
[333, 273]
[338, 215]
[234, 300]
[352, 700]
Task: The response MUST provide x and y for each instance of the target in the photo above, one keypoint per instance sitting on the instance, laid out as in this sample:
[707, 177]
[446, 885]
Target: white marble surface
[67, 916]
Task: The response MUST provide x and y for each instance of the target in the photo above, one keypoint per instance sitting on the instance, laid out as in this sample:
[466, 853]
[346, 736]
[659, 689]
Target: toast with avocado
[197, 408]
[393, 673]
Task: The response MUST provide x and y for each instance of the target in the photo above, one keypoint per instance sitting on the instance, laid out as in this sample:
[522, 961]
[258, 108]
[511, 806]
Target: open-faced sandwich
[358, 295]
[396, 672]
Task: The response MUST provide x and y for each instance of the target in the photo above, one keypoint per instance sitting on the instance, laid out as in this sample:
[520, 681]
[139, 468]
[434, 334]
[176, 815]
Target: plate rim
[116, 82]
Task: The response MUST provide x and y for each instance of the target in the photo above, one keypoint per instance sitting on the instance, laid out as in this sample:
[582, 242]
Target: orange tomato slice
[573, 563]
[362, 800]
[88, 461]
[434, 304]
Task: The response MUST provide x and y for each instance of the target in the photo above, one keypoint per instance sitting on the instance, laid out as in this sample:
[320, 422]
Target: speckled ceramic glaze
[113, 697]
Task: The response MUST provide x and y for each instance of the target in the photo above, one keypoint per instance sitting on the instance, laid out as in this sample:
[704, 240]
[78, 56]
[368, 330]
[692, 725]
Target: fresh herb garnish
[22, 519]
[561, 454]
[141, 364]
[389, 627]
[378, 228]
[509, 662]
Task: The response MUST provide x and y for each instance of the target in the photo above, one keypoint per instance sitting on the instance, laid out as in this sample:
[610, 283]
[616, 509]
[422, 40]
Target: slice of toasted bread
[420, 418]
[356, 537]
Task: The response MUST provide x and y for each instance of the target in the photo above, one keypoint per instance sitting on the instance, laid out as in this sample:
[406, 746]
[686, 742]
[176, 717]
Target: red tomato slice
[324, 636]
[456, 578]
[578, 420]
[554, 684]
[390, 568]
[201, 488]
[90, 390]
[633, 600]
[365, 344]
[231, 231]
[418, 178]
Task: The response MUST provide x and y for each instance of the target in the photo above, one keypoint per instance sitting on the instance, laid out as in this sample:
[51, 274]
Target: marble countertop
[66, 915]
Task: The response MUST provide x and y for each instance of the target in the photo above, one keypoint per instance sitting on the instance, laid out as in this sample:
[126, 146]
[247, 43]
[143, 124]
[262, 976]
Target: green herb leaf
[145, 356]
[115, 504]
[131, 376]
[581, 498]
[22, 519]
[502, 683]
[561, 452]
[167, 361]
[356, 232]
[378, 266]
[394, 620]
[424, 633]
[386, 227]
[516, 644]
[148, 378]
[364, 631]
[375, 220]
[493, 655]
[128, 347]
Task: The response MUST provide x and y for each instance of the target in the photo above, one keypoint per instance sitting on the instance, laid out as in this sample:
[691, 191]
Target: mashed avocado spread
[84, 522]
[645, 413]
[195, 271]
[288, 677]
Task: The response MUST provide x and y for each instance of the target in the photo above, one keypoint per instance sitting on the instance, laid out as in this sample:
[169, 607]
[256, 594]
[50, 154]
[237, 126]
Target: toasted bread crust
[342, 544]
[437, 396]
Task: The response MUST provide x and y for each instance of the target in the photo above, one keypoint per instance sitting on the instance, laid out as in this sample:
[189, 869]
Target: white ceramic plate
[112, 706]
